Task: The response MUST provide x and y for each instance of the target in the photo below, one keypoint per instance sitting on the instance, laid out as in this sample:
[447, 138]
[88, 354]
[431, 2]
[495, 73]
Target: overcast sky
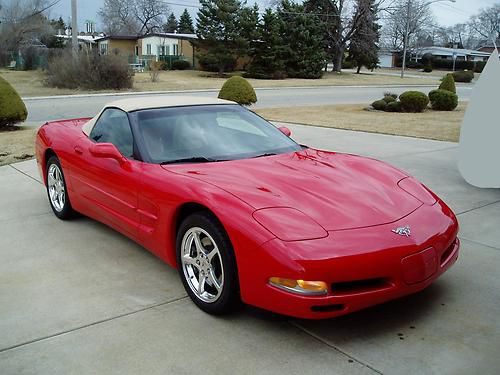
[446, 13]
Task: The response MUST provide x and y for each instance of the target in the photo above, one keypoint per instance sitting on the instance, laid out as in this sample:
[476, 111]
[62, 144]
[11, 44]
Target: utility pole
[407, 32]
[74, 26]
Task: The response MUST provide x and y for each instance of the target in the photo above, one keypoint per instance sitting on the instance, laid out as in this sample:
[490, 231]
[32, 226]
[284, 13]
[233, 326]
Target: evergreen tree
[303, 34]
[58, 24]
[185, 23]
[269, 51]
[219, 34]
[327, 11]
[171, 25]
[363, 49]
[249, 21]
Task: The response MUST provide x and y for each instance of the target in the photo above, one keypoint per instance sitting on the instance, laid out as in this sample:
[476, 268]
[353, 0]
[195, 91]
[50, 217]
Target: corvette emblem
[403, 231]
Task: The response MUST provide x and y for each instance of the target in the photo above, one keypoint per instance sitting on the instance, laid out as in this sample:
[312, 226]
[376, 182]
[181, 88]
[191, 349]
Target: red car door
[106, 189]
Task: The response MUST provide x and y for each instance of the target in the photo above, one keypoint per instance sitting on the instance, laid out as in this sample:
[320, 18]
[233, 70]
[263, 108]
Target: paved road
[76, 297]
[41, 110]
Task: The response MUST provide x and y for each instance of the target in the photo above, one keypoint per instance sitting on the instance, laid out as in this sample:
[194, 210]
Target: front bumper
[363, 267]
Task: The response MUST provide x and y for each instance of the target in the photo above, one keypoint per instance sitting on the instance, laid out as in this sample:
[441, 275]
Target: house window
[176, 50]
[167, 50]
[137, 50]
[104, 48]
[148, 49]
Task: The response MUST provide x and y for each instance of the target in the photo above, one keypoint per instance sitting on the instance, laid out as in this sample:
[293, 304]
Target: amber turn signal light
[300, 286]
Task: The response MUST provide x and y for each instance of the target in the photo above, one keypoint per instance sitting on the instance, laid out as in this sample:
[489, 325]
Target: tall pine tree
[171, 25]
[185, 23]
[327, 11]
[249, 21]
[363, 49]
[219, 34]
[303, 35]
[269, 52]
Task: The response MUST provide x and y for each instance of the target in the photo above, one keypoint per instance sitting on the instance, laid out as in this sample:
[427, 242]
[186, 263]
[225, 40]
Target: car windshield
[207, 133]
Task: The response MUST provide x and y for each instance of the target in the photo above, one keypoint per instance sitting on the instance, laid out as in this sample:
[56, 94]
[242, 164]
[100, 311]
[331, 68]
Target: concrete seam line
[24, 173]
[424, 152]
[75, 96]
[478, 243]
[17, 346]
[477, 208]
[318, 338]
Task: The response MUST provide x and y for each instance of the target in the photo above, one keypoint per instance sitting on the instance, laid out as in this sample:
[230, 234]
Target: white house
[166, 44]
[448, 53]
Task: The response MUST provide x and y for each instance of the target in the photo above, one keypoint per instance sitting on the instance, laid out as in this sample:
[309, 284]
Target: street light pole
[405, 41]
[74, 26]
[407, 28]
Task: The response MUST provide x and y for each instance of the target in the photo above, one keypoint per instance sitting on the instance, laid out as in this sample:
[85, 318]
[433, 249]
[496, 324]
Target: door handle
[78, 150]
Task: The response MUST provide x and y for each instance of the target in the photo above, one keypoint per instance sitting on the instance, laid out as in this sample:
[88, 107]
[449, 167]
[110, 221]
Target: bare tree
[487, 23]
[118, 17]
[22, 21]
[150, 14]
[133, 16]
[394, 28]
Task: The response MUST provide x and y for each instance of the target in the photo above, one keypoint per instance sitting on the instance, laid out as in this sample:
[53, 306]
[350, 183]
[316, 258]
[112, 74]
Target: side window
[113, 127]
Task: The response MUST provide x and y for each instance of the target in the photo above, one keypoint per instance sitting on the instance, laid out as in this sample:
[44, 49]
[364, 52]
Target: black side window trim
[136, 154]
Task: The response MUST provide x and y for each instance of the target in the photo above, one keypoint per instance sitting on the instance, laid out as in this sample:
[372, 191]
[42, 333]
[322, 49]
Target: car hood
[338, 191]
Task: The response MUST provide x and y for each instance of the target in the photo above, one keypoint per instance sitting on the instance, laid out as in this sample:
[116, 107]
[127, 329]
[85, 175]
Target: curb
[169, 92]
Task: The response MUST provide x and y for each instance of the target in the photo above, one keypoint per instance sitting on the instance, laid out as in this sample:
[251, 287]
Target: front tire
[207, 265]
[56, 190]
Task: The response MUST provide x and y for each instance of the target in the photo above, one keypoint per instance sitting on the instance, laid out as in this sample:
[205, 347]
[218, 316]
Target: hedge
[12, 108]
[239, 90]
[443, 100]
[413, 101]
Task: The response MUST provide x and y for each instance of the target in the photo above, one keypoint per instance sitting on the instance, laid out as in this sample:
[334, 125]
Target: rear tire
[207, 265]
[57, 191]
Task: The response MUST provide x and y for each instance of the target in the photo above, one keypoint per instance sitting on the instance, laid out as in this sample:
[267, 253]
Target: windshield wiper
[193, 159]
[263, 155]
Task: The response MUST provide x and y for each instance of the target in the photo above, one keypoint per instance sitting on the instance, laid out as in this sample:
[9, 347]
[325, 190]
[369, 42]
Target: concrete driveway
[76, 297]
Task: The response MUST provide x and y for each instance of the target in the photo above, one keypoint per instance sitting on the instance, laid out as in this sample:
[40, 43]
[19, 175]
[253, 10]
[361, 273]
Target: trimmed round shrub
[464, 76]
[12, 108]
[388, 93]
[427, 69]
[389, 99]
[379, 105]
[239, 90]
[443, 100]
[413, 101]
[394, 106]
[181, 65]
[448, 84]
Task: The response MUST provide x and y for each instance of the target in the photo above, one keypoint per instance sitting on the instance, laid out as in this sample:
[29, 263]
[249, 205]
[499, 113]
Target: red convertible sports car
[244, 212]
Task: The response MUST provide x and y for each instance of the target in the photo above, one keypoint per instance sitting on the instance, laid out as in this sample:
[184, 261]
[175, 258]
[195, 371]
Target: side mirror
[106, 150]
[285, 131]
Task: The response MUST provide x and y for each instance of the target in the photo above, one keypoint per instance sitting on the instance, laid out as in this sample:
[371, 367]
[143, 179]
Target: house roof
[82, 38]
[171, 35]
[450, 51]
[150, 102]
[118, 37]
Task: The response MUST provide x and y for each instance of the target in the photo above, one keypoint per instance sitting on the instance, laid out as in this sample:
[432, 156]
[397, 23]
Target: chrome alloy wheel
[57, 190]
[202, 264]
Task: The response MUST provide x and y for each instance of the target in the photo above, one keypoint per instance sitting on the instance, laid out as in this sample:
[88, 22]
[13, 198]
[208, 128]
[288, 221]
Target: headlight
[289, 224]
[311, 288]
[417, 190]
